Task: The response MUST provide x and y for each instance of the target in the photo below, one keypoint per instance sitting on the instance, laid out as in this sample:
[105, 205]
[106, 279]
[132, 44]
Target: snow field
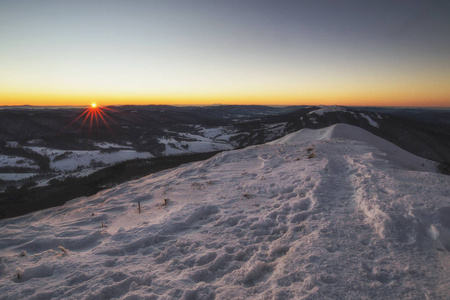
[174, 147]
[300, 218]
[76, 159]
[107, 145]
[327, 109]
[14, 161]
[370, 120]
[16, 176]
[209, 140]
[74, 163]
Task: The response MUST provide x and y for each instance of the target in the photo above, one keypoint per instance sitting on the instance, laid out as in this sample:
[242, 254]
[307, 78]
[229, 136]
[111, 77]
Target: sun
[95, 115]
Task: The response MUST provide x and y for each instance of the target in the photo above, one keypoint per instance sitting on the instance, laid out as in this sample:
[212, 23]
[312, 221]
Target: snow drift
[331, 213]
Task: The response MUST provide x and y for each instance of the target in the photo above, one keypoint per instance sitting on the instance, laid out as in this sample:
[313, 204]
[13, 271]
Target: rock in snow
[334, 213]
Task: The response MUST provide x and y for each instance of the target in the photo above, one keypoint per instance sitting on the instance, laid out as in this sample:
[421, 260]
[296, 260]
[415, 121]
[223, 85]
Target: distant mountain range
[424, 132]
[38, 145]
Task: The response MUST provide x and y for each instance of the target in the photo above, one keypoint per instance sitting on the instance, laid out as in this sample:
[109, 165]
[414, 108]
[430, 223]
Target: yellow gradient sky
[380, 53]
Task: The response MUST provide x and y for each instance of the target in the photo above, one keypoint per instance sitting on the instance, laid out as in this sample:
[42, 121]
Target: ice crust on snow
[334, 213]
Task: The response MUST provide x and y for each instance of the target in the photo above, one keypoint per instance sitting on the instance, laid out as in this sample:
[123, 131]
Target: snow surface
[12, 144]
[15, 161]
[314, 120]
[370, 120]
[325, 214]
[77, 163]
[274, 130]
[327, 109]
[380, 147]
[107, 145]
[193, 144]
[221, 132]
[78, 159]
[16, 176]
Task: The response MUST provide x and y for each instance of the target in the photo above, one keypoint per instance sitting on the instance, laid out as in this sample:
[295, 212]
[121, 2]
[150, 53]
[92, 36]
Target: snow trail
[327, 218]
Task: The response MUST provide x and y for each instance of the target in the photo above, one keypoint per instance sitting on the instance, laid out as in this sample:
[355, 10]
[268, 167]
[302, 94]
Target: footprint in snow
[302, 205]
[328, 279]
[258, 272]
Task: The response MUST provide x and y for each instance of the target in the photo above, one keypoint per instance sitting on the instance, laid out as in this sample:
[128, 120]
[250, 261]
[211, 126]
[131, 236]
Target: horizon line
[220, 104]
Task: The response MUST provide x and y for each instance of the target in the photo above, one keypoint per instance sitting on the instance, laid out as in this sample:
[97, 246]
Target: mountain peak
[393, 154]
[303, 217]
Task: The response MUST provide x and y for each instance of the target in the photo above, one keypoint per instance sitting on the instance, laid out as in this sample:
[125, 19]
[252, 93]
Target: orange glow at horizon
[342, 98]
[96, 116]
[139, 53]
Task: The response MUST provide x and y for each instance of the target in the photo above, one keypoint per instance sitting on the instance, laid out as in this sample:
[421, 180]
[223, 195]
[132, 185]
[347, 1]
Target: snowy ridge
[327, 109]
[315, 215]
[394, 154]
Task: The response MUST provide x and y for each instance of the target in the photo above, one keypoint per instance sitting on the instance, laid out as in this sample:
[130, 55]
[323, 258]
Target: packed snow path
[311, 216]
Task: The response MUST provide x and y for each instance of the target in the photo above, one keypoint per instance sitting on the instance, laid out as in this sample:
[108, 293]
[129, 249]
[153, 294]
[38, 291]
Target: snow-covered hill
[334, 213]
[39, 146]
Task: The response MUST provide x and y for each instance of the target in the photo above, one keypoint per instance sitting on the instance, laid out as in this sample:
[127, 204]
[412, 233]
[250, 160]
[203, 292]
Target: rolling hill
[331, 213]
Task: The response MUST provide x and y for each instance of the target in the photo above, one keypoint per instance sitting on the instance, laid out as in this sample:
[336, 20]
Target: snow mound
[336, 131]
[394, 155]
[325, 218]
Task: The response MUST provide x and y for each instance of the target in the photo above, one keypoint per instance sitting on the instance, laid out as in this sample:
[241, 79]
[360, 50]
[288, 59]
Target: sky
[355, 52]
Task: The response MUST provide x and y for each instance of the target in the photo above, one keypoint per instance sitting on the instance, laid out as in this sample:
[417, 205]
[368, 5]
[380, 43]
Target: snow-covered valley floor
[335, 213]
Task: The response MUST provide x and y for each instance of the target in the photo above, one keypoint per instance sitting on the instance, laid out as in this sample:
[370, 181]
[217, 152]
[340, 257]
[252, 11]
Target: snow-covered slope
[394, 155]
[317, 215]
[69, 161]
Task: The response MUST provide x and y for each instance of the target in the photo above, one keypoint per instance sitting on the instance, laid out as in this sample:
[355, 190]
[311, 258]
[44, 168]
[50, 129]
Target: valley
[43, 149]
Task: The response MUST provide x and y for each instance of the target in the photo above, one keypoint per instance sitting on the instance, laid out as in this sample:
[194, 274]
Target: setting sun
[96, 115]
